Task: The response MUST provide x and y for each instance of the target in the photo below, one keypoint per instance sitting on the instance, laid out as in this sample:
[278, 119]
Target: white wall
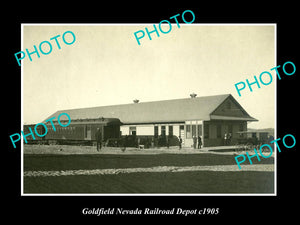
[124, 130]
[145, 130]
[149, 129]
[140, 129]
[176, 130]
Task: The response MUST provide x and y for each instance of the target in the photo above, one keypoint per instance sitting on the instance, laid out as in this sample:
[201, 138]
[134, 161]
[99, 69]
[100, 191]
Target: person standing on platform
[225, 139]
[167, 142]
[125, 140]
[199, 142]
[180, 142]
[229, 139]
[194, 141]
[99, 139]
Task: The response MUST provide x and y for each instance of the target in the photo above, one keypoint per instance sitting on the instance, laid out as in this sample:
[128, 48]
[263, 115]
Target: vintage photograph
[104, 115]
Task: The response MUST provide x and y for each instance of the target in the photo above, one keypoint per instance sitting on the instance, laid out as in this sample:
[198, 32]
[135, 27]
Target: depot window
[155, 131]
[188, 131]
[163, 131]
[193, 130]
[132, 130]
[206, 131]
[200, 130]
[170, 131]
[219, 133]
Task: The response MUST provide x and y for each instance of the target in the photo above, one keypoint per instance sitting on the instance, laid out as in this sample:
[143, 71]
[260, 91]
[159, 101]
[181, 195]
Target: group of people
[195, 140]
[227, 138]
[98, 136]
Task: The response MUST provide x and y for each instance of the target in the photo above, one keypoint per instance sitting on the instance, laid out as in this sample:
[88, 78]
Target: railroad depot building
[209, 117]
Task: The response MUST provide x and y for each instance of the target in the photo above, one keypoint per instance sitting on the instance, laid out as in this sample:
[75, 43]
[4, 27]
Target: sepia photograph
[191, 111]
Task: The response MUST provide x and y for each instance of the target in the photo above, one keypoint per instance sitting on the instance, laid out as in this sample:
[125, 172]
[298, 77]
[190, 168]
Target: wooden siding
[230, 108]
[213, 140]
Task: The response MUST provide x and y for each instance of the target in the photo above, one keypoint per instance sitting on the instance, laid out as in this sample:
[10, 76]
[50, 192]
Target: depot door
[181, 133]
[87, 132]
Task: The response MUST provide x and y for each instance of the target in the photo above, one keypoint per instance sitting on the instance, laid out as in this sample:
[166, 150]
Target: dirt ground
[81, 169]
[69, 149]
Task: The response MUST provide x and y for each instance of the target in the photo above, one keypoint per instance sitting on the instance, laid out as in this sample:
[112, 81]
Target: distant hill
[269, 130]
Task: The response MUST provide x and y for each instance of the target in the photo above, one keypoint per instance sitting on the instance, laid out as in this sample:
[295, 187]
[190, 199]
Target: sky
[106, 66]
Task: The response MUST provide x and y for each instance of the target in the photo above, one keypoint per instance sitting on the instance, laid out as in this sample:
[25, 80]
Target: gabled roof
[177, 110]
